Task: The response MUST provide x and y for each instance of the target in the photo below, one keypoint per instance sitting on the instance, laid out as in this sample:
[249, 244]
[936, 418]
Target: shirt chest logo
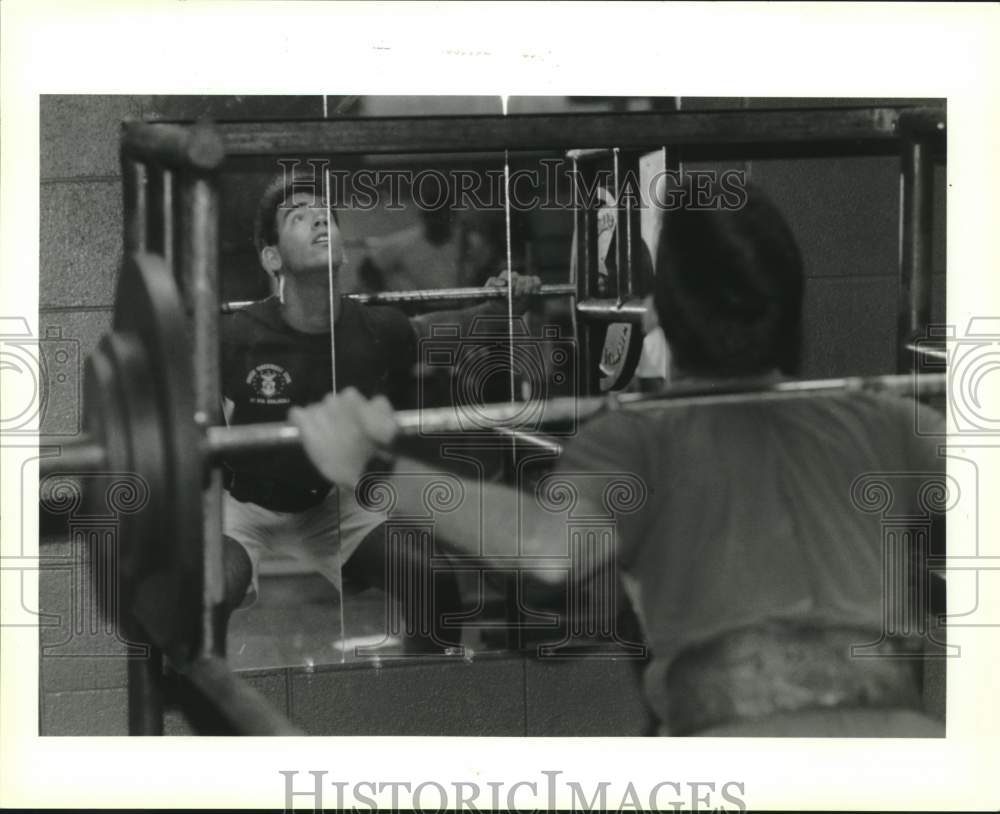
[269, 384]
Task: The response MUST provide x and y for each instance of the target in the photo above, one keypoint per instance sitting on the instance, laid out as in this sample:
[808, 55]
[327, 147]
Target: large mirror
[412, 223]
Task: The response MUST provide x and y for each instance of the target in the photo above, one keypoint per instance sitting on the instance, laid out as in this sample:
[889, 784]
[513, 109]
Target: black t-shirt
[268, 366]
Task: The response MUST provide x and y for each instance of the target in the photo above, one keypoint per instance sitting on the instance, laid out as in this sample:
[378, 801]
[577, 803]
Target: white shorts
[323, 537]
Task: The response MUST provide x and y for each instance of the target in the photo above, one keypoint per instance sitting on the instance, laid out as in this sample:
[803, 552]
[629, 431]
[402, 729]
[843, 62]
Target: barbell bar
[150, 341]
[477, 293]
[218, 442]
[140, 419]
[568, 410]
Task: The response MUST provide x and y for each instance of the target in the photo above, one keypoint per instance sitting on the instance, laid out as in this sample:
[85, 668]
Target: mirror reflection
[421, 237]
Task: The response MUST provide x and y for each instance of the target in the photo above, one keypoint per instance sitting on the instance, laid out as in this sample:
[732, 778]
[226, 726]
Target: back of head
[728, 289]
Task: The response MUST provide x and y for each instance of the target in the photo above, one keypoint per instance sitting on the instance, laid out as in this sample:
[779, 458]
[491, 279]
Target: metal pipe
[504, 416]
[532, 439]
[155, 210]
[253, 438]
[917, 212]
[134, 178]
[145, 692]
[169, 235]
[241, 708]
[629, 242]
[428, 295]
[577, 255]
[197, 147]
[586, 272]
[84, 454]
[462, 134]
[620, 238]
[927, 350]
[201, 273]
[611, 310]
[590, 152]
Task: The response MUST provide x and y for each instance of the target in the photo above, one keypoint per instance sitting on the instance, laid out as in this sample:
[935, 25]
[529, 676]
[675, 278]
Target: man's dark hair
[281, 187]
[729, 289]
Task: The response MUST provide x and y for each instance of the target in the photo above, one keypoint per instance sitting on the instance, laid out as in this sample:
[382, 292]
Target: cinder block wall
[82, 673]
[843, 212]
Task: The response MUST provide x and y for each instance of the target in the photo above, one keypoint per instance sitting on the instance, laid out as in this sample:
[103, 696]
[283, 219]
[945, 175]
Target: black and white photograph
[651, 427]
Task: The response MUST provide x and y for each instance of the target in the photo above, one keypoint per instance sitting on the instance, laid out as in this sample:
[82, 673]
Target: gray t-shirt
[749, 514]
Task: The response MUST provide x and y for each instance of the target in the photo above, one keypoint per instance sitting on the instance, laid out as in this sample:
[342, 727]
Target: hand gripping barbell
[139, 400]
[139, 417]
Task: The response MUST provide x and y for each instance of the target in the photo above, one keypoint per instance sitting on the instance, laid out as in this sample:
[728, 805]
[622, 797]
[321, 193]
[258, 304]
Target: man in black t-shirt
[276, 354]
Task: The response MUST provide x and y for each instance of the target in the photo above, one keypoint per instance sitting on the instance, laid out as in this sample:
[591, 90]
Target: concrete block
[849, 326]
[935, 687]
[444, 697]
[272, 684]
[80, 243]
[80, 133]
[583, 697]
[843, 212]
[78, 649]
[85, 712]
[70, 336]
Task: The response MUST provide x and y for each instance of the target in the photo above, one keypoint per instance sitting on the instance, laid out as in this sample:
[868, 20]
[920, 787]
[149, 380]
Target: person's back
[753, 518]
[755, 565]
[748, 537]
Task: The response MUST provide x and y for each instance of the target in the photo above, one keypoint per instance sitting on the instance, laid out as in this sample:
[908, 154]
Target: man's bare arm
[508, 528]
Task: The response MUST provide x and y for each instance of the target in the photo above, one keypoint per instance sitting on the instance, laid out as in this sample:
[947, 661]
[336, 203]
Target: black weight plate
[103, 412]
[142, 433]
[148, 306]
[104, 416]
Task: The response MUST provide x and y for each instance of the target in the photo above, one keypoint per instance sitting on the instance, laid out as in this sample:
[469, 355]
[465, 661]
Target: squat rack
[171, 209]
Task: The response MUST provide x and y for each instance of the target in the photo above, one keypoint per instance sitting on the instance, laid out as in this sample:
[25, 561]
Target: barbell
[140, 422]
[423, 295]
[622, 342]
[139, 401]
